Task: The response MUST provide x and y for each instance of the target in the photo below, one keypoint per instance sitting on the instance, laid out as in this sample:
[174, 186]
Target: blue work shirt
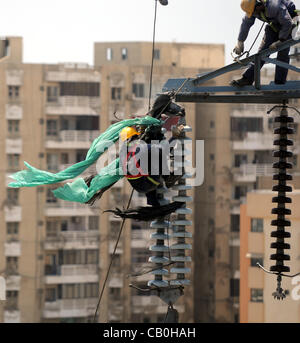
[279, 12]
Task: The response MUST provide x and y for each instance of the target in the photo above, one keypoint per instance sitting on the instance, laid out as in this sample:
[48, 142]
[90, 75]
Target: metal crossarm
[242, 63]
[194, 90]
[268, 94]
[281, 64]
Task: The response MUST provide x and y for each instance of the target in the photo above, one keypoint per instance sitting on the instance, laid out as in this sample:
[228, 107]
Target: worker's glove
[239, 49]
[275, 45]
[177, 131]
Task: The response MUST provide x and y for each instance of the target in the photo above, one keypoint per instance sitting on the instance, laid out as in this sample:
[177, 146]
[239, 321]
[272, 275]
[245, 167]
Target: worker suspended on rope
[278, 14]
[90, 189]
[145, 164]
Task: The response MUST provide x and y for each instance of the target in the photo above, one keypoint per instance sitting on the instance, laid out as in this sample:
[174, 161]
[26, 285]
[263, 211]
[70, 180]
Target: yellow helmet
[248, 7]
[128, 132]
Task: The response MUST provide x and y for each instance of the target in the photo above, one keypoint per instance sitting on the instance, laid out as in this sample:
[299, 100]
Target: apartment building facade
[55, 254]
[257, 304]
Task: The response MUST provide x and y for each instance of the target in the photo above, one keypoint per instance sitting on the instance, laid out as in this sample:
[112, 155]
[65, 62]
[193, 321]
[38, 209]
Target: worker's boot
[241, 82]
[171, 179]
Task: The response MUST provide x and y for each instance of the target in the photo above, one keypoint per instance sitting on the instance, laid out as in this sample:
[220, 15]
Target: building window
[240, 160]
[156, 54]
[50, 197]
[51, 229]
[257, 225]
[212, 124]
[80, 257]
[12, 230]
[234, 287]
[235, 223]
[124, 54]
[64, 158]
[91, 89]
[12, 265]
[256, 295]
[116, 264]
[52, 162]
[211, 189]
[239, 192]
[50, 294]
[139, 255]
[13, 161]
[115, 293]
[92, 256]
[51, 129]
[13, 126]
[212, 157]
[109, 54]
[13, 196]
[73, 257]
[13, 92]
[11, 302]
[52, 93]
[91, 290]
[138, 90]
[255, 260]
[93, 223]
[243, 124]
[116, 93]
[114, 229]
[76, 291]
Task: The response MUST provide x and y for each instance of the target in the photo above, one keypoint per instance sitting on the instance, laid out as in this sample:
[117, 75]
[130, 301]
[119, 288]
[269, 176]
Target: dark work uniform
[142, 166]
[278, 14]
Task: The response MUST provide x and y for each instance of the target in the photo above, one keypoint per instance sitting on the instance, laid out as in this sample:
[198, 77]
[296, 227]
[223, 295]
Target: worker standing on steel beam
[279, 15]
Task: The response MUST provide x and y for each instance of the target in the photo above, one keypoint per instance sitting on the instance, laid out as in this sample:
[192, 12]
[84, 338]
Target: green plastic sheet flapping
[78, 191]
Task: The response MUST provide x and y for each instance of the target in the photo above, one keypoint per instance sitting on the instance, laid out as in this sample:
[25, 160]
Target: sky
[65, 30]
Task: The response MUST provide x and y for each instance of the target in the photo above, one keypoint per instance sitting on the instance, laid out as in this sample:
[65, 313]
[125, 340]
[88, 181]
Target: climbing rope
[112, 258]
[152, 58]
[247, 53]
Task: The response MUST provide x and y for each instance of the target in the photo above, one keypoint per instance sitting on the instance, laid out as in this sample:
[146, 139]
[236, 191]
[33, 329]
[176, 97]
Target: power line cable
[152, 59]
[112, 258]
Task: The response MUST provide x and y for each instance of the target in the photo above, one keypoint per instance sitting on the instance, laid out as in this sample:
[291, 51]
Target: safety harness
[264, 18]
[131, 154]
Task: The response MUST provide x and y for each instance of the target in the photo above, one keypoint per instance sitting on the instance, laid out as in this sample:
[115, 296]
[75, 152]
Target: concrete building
[55, 254]
[256, 301]
[49, 249]
[127, 69]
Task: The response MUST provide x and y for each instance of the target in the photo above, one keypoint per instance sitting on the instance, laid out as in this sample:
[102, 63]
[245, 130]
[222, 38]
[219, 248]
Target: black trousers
[281, 73]
[144, 185]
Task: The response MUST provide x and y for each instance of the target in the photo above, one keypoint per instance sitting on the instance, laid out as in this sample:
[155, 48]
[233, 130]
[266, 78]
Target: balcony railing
[74, 105]
[11, 316]
[81, 101]
[249, 172]
[71, 270]
[70, 308]
[72, 139]
[73, 240]
[252, 141]
[68, 208]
